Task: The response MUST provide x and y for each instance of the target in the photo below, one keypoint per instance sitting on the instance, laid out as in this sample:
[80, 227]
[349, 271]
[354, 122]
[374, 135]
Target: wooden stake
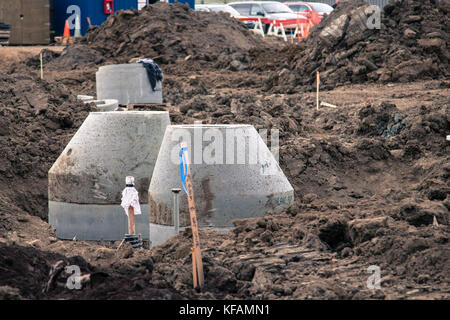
[194, 268]
[197, 254]
[435, 223]
[130, 220]
[317, 89]
[42, 69]
[120, 245]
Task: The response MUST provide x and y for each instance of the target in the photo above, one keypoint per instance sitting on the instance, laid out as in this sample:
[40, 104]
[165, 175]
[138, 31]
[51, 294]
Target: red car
[313, 11]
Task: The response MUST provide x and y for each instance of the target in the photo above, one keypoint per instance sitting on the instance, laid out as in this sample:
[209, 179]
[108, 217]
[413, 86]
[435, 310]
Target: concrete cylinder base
[94, 221]
[127, 83]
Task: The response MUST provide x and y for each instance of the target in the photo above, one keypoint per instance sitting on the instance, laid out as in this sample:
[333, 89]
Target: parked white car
[321, 8]
[271, 10]
[267, 11]
[223, 8]
[217, 8]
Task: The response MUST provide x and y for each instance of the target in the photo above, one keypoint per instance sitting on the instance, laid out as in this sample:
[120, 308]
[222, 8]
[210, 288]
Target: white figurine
[130, 202]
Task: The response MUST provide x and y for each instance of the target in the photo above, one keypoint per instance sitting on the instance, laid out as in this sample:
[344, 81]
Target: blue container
[191, 3]
[94, 9]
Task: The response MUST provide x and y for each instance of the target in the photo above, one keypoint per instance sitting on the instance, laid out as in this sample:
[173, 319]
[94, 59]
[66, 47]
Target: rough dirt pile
[166, 33]
[37, 119]
[346, 47]
[42, 274]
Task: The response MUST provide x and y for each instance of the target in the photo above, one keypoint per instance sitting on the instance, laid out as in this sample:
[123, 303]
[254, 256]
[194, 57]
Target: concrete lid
[123, 66]
[122, 113]
[128, 83]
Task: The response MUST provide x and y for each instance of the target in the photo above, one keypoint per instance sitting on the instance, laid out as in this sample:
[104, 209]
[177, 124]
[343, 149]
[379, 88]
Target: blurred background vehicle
[314, 11]
[321, 8]
[202, 7]
[267, 11]
[224, 8]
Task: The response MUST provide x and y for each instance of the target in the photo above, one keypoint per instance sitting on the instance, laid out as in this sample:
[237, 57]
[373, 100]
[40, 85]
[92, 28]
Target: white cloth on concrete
[130, 197]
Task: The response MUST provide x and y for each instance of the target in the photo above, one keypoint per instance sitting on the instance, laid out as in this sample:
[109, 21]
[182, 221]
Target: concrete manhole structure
[127, 83]
[234, 175]
[86, 181]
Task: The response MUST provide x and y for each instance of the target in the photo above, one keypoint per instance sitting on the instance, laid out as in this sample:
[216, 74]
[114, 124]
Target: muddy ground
[370, 178]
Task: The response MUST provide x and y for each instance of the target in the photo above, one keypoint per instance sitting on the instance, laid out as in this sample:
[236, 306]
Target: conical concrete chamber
[234, 176]
[127, 83]
[86, 181]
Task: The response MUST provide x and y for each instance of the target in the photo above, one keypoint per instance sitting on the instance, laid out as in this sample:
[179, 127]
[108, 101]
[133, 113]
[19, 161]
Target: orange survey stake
[197, 264]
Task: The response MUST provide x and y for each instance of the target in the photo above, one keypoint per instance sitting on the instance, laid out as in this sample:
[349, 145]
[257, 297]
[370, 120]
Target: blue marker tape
[183, 168]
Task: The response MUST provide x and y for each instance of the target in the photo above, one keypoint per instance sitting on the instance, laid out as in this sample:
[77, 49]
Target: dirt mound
[37, 119]
[73, 57]
[299, 256]
[411, 43]
[167, 33]
[30, 273]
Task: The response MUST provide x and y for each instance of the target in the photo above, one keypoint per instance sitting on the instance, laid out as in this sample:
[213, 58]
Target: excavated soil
[371, 177]
[167, 33]
[411, 42]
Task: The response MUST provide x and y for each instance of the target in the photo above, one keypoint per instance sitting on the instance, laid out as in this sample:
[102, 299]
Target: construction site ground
[371, 182]
[280, 256]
